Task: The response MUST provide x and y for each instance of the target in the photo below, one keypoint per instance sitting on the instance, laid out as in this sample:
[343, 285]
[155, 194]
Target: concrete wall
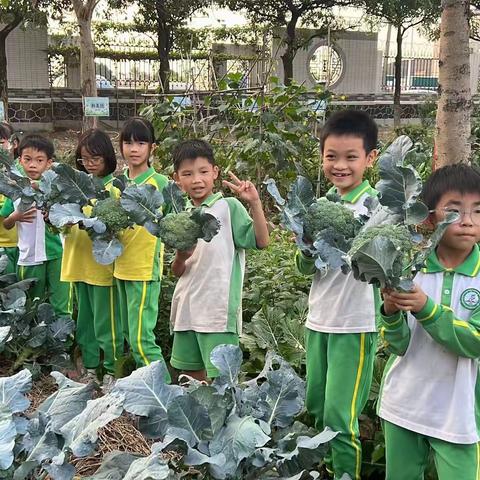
[360, 55]
[27, 58]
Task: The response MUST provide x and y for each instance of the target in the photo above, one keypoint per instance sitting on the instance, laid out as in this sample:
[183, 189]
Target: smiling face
[462, 235]
[345, 161]
[196, 178]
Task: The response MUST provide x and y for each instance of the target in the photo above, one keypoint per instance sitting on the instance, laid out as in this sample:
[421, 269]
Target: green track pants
[12, 254]
[138, 303]
[407, 456]
[48, 286]
[339, 375]
[98, 325]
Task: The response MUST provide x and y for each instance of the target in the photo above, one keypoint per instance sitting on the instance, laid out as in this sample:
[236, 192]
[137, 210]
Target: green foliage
[254, 134]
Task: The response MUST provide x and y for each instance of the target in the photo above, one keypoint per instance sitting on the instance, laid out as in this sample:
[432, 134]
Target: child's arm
[245, 190]
[178, 265]
[459, 336]
[18, 216]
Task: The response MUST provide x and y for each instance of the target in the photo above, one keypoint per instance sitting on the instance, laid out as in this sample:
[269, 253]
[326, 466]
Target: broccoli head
[324, 214]
[381, 253]
[182, 230]
[110, 212]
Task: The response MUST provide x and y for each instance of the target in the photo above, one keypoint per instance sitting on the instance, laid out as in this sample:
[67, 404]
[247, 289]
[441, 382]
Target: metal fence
[419, 74]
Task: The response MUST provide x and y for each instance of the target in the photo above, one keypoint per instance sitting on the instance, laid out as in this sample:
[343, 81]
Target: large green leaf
[188, 420]
[237, 440]
[143, 203]
[40, 443]
[13, 389]
[106, 250]
[8, 432]
[373, 262]
[74, 186]
[209, 223]
[153, 467]
[81, 432]
[67, 402]
[217, 405]
[65, 214]
[114, 466]
[147, 395]
[228, 360]
[399, 185]
[174, 197]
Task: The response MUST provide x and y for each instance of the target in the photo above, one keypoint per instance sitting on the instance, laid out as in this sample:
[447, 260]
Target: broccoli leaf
[174, 196]
[8, 432]
[67, 402]
[228, 360]
[400, 186]
[74, 186]
[153, 467]
[143, 203]
[12, 390]
[272, 189]
[188, 420]
[373, 262]
[208, 223]
[106, 250]
[114, 466]
[65, 214]
[81, 433]
[147, 394]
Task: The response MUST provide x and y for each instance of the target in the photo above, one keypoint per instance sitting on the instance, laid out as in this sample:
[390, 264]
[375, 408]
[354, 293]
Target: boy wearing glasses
[429, 397]
[40, 250]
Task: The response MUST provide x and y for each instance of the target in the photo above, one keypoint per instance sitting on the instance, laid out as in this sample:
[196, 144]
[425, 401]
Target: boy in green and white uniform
[207, 302]
[429, 400]
[40, 250]
[341, 324]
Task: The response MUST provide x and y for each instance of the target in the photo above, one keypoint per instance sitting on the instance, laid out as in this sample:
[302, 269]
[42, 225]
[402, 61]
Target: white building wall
[27, 61]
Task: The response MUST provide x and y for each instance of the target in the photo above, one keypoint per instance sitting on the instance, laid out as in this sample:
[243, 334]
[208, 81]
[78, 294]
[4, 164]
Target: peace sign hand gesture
[244, 189]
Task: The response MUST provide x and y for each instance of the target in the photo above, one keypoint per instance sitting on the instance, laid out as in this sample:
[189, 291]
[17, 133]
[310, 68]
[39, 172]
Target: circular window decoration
[326, 65]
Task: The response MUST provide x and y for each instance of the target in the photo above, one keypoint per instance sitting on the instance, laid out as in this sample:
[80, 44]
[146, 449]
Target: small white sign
[96, 106]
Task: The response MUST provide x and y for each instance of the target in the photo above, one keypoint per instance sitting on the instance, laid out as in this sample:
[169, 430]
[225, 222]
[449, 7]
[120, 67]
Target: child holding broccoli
[98, 323]
[341, 324]
[40, 250]
[138, 270]
[206, 305]
[429, 397]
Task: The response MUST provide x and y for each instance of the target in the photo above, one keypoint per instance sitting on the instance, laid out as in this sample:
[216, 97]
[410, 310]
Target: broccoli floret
[399, 236]
[325, 214]
[182, 230]
[110, 212]
[179, 231]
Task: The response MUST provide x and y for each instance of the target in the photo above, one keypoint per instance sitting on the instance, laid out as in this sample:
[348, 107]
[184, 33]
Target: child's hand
[26, 217]
[244, 189]
[412, 301]
[389, 306]
[184, 255]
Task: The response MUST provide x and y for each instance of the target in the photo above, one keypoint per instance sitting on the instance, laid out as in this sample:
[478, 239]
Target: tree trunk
[397, 108]
[291, 50]
[163, 46]
[453, 128]
[84, 14]
[7, 29]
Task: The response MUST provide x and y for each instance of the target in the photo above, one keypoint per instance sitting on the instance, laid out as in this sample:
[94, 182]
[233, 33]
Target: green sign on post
[96, 106]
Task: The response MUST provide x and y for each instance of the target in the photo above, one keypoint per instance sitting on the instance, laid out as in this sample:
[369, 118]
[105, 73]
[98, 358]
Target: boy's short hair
[351, 122]
[37, 142]
[461, 178]
[97, 143]
[190, 150]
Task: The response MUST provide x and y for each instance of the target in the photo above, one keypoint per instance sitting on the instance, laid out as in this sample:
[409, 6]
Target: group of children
[428, 400]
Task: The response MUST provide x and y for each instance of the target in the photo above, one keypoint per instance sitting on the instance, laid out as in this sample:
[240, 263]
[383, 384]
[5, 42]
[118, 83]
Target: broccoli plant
[387, 251]
[227, 430]
[324, 228]
[31, 334]
[180, 229]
